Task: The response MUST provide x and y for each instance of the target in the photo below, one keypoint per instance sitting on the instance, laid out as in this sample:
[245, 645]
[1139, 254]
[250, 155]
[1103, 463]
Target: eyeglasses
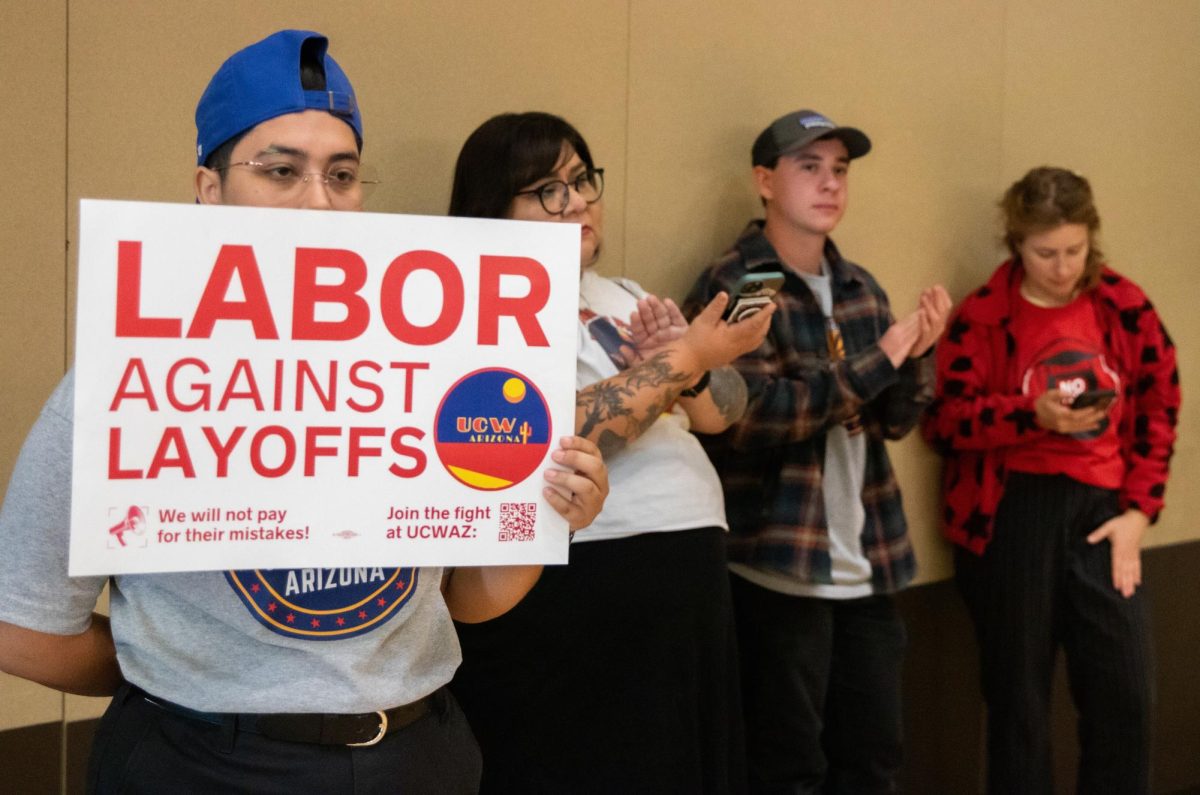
[346, 181]
[556, 194]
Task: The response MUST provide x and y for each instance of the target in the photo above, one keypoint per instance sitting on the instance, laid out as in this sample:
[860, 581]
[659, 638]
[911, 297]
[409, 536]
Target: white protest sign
[262, 388]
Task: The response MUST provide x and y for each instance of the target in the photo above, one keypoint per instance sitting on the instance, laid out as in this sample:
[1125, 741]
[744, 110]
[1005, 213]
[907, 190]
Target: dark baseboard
[944, 711]
[79, 749]
[30, 758]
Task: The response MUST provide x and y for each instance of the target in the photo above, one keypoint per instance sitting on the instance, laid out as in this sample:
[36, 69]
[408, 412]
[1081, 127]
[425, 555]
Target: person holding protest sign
[617, 672]
[208, 697]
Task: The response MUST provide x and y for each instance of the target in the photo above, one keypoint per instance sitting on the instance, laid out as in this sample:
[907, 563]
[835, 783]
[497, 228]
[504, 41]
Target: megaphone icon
[134, 522]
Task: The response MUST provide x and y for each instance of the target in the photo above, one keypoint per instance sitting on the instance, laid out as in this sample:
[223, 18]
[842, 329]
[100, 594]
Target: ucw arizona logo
[323, 604]
[492, 429]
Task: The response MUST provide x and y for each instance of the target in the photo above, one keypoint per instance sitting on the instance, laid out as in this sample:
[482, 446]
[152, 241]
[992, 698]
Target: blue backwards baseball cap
[263, 81]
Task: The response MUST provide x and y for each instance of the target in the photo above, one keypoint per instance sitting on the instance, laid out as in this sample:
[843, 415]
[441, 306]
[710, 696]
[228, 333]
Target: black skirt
[617, 673]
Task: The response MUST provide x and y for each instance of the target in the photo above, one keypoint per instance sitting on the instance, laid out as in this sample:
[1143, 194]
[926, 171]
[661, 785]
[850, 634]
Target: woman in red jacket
[1056, 406]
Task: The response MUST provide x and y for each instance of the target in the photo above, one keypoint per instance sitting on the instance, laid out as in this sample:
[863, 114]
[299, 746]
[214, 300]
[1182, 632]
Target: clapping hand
[916, 333]
[934, 309]
[654, 323]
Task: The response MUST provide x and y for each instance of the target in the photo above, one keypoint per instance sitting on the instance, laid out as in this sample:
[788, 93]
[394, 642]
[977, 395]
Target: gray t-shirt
[301, 640]
[841, 487]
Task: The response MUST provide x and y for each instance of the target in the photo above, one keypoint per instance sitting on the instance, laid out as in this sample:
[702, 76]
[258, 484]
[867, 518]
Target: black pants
[821, 687]
[142, 748]
[1040, 585]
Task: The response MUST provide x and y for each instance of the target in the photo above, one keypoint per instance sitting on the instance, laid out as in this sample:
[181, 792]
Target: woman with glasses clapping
[617, 672]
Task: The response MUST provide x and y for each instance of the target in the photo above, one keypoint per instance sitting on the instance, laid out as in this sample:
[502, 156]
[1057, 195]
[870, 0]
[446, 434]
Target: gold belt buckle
[382, 732]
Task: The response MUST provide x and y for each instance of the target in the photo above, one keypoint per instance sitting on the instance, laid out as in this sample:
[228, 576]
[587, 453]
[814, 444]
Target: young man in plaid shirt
[818, 541]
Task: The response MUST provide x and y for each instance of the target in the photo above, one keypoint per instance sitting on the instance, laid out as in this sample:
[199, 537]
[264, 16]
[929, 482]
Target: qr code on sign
[516, 520]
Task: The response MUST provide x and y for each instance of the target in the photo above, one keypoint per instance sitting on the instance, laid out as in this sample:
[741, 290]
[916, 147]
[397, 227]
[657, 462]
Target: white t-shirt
[841, 487]
[663, 481]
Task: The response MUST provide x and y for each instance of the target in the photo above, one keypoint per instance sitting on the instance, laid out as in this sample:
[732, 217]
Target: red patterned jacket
[979, 411]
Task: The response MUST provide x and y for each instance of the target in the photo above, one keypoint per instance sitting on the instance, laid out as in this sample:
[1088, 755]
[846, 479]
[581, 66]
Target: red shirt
[1062, 348]
[980, 415]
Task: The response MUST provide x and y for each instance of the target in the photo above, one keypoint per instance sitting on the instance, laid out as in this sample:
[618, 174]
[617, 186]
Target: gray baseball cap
[799, 129]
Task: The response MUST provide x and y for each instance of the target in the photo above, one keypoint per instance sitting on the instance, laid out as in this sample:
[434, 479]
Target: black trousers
[142, 748]
[822, 691]
[1040, 585]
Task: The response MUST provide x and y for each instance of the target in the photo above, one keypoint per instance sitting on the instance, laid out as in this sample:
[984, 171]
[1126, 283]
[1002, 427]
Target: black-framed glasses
[556, 194]
[350, 181]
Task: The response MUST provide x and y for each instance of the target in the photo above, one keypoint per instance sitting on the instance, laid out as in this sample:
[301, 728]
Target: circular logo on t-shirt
[1072, 367]
[492, 429]
[323, 604]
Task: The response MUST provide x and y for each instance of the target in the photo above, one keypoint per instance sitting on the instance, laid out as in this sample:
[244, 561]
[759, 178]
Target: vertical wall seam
[1001, 166]
[628, 135]
[63, 750]
[66, 186]
[62, 746]
[1004, 67]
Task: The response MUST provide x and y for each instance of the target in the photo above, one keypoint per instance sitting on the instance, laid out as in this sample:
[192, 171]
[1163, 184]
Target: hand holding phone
[751, 293]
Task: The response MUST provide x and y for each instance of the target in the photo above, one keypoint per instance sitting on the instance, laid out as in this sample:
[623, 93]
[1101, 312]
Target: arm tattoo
[602, 401]
[728, 390]
[654, 373]
[609, 401]
[610, 443]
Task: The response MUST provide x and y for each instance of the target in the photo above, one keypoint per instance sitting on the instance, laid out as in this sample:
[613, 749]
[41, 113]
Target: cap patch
[809, 122]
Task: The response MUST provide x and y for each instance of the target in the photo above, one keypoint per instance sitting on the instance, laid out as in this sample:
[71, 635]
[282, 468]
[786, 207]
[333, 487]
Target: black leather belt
[361, 729]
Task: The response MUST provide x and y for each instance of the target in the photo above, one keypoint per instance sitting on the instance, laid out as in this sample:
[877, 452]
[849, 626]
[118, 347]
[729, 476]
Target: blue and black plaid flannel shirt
[771, 461]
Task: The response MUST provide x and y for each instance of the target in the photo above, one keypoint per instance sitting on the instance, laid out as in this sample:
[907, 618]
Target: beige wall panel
[33, 130]
[83, 708]
[32, 275]
[27, 704]
[923, 80]
[1112, 90]
[433, 77]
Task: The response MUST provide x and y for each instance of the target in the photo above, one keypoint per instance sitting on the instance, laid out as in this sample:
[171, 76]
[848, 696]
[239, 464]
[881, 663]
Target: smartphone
[751, 293]
[1093, 397]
